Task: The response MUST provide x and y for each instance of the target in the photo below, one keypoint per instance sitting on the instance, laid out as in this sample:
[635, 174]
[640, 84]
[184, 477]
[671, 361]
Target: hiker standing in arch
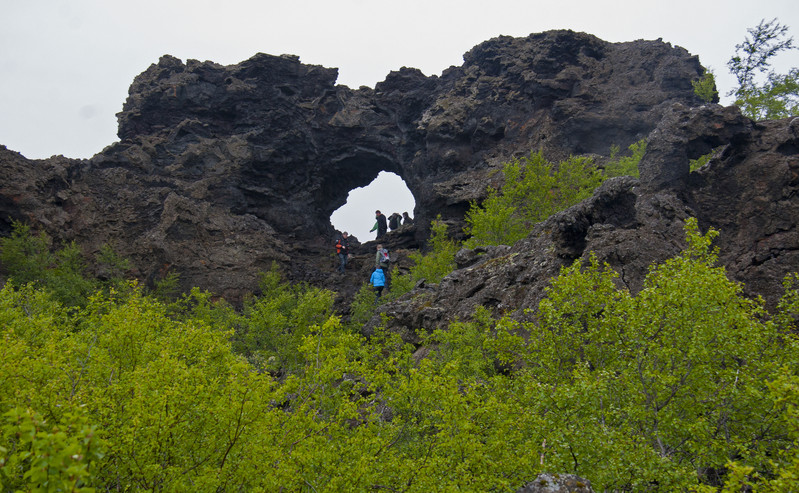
[380, 224]
[394, 221]
[343, 251]
[406, 219]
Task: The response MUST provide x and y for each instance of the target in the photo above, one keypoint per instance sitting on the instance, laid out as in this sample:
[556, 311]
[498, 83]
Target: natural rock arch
[222, 170]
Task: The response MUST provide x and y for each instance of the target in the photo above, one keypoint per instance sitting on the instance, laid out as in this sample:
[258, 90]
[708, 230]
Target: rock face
[222, 170]
[748, 191]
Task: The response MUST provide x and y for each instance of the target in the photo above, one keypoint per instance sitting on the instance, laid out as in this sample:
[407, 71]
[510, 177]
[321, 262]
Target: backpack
[384, 258]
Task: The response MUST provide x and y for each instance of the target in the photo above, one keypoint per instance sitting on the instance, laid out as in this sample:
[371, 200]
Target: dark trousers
[343, 261]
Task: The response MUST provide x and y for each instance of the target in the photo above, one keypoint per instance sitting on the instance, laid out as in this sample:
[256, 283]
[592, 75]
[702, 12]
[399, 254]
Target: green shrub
[778, 95]
[432, 266]
[625, 165]
[25, 256]
[273, 324]
[534, 190]
[705, 87]
[684, 386]
[363, 304]
[49, 457]
[28, 259]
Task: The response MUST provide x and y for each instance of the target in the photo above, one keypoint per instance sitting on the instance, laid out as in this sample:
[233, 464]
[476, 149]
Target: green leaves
[705, 87]
[659, 389]
[778, 95]
[534, 190]
[30, 258]
[625, 165]
[682, 366]
[431, 266]
[45, 457]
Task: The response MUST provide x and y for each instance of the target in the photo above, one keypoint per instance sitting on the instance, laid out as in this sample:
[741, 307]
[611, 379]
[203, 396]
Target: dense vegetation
[534, 189]
[686, 385]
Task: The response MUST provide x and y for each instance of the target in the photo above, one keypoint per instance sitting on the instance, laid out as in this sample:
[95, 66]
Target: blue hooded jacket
[378, 278]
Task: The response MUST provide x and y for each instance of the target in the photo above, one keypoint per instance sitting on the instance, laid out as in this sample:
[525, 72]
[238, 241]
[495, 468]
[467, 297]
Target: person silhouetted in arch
[394, 221]
[380, 224]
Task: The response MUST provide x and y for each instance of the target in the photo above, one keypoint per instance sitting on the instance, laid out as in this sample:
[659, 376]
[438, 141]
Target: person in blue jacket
[378, 280]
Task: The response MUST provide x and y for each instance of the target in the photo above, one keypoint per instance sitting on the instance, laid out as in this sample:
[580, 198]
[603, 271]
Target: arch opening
[387, 193]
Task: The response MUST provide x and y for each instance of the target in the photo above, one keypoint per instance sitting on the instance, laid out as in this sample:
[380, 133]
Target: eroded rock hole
[387, 193]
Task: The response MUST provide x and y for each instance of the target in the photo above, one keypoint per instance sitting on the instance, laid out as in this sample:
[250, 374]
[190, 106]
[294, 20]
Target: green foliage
[782, 471]
[697, 163]
[167, 289]
[534, 190]
[681, 368]
[480, 346]
[363, 304]
[625, 165]
[113, 267]
[28, 259]
[778, 95]
[43, 457]
[685, 386]
[274, 323]
[432, 266]
[67, 277]
[705, 87]
[24, 256]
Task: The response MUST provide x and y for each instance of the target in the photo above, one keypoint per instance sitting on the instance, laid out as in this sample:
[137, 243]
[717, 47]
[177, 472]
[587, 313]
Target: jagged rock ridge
[749, 191]
[222, 170]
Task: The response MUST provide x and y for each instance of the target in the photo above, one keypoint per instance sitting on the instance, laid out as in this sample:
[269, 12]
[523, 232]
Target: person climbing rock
[378, 281]
[343, 251]
[382, 258]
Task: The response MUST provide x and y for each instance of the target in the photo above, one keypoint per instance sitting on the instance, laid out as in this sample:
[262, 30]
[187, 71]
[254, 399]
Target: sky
[66, 65]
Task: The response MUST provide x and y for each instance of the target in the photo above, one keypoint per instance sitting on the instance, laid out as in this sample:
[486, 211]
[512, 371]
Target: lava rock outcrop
[223, 170]
[748, 191]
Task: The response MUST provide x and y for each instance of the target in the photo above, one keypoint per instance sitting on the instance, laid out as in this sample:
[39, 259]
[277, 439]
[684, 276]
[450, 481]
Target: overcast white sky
[66, 65]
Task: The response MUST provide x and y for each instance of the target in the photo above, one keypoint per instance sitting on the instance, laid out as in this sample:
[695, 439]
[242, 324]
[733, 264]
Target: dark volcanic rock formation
[748, 191]
[222, 170]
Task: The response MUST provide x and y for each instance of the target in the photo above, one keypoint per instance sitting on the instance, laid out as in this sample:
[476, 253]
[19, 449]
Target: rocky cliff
[748, 191]
[222, 170]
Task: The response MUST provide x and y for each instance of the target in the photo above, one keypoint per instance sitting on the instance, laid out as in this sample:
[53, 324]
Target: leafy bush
[683, 367]
[49, 457]
[778, 95]
[273, 324]
[625, 165]
[534, 190]
[363, 303]
[705, 87]
[28, 259]
[431, 266]
[685, 386]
